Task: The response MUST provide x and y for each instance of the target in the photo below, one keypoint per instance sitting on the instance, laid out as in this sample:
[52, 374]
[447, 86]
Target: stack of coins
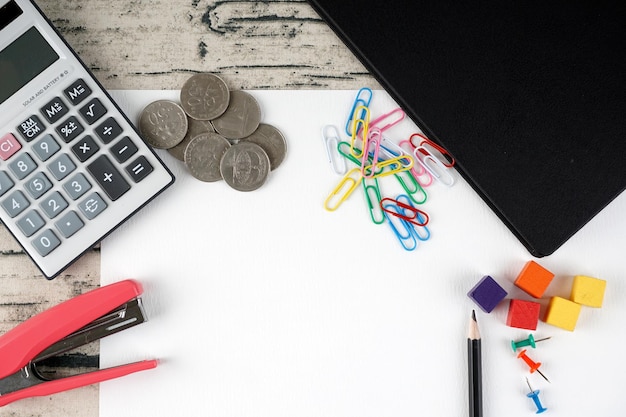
[216, 132]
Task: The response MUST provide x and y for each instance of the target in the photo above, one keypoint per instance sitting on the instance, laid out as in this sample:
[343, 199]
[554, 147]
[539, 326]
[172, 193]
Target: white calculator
[72, 166]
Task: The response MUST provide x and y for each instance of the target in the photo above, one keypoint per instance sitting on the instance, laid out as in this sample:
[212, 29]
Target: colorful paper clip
[421, 175]
[360, 124]
[412, 187]
[363, 99]
[419, 228]
[401, 228]
[392, 166]
[81, 320]
[444, 156]
[373, 201]
[343, 190]
[369, 164]
[406, 211]
[330, 135]
[434, 166]
[399, 115]
[344, 150]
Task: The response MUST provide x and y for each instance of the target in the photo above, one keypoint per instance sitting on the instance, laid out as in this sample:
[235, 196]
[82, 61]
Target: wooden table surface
[141, 44]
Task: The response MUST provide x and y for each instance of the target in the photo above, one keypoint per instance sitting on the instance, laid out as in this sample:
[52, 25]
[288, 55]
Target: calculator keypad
[67, 165]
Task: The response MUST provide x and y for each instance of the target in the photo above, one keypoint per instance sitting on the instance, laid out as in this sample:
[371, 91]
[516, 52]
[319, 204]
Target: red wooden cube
[523, 314]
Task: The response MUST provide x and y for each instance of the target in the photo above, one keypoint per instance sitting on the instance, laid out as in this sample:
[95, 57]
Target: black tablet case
[528, 96]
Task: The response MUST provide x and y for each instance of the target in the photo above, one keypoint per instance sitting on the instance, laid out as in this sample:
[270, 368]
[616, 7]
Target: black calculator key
[109, 178]
[77, 92]
[123, 149]
[108, 130]
[85, 148]
[31, 128]
[70, 129]
[54, 110]
[93, 111]
[139, 169]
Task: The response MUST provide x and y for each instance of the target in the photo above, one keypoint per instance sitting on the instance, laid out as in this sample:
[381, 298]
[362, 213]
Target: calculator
[72, 166]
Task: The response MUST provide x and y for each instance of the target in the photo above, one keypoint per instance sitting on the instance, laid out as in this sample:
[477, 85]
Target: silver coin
[163, 124]
[272, 141]
[245, 166]
[204, 96]
[241, 118]
[203, 156]
[195, 127]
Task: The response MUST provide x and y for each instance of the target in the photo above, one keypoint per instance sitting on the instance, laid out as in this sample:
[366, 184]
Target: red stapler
[83, 319]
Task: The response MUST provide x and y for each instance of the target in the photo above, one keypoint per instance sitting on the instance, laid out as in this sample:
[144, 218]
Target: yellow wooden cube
[588, 291]
[562, 313]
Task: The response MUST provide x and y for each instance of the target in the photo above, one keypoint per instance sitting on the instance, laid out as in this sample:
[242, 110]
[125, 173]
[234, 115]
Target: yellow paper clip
[343, 190]
[360, 127]
[373, 201]
[434, 166]
[363, 99]
[393, 165]
[330, 135]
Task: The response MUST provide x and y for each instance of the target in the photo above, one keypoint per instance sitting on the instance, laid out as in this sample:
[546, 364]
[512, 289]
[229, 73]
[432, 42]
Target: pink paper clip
[373, 140]
[398, 113]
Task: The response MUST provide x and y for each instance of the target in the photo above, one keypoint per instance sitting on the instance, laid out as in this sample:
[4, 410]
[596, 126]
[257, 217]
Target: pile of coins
[216, 132]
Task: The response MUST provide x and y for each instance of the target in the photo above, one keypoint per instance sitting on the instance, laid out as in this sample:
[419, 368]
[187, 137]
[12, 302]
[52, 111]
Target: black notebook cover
[528, 96]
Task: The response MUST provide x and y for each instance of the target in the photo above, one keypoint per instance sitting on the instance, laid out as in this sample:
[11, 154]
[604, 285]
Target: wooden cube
[588, 291]
[487, 293]
[534, 279]
[562, 313]
[523, 314]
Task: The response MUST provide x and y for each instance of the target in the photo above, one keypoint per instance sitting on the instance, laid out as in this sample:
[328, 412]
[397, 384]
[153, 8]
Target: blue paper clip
[330, 134]
[363, 99]
[401, 228]
[392, 150]
[343, 190]
[376, 213]
[421, 219]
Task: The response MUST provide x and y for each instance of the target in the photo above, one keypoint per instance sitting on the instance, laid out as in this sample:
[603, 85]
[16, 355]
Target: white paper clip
[330, 134]
[433, 165]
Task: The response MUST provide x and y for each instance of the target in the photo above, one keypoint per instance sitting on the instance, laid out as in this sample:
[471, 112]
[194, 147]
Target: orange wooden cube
[534, 279]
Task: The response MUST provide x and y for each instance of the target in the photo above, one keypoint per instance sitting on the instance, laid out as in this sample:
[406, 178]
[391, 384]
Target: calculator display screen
[23, 60]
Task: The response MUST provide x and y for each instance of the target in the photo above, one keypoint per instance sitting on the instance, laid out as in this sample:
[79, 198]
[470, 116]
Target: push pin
[535, 397]
[534, 366]
[530, 341]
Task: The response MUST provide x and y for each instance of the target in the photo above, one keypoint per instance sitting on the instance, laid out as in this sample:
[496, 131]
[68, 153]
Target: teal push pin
[535, 397]
[530, 341]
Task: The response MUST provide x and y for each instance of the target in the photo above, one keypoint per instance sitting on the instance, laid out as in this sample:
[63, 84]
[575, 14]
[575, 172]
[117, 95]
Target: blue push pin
[535, 396]
[530, 341]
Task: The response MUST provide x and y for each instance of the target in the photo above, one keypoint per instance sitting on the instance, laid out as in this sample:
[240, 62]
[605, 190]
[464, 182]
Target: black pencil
[474, 369]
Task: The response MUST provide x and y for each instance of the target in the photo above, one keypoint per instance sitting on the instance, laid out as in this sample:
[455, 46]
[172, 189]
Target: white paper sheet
[263, 304]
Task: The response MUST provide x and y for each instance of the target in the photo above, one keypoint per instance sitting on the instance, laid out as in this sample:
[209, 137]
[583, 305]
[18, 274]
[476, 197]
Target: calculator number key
[61, 167]
[77, 186]
[46, 242]
[38, 185]
[109, 178]
[69, 224]
[46, 147]
[5, 183]
[30, 223]
[22, 166]
[15, 203]
[53, 205]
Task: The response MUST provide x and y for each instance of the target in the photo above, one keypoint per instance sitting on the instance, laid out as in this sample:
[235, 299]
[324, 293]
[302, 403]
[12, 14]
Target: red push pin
[534, 366]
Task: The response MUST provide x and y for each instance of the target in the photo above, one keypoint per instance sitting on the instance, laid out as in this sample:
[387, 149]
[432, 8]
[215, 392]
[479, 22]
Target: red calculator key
[8, 146]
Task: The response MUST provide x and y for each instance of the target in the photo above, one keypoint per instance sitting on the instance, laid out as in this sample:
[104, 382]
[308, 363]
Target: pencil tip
[474, 315]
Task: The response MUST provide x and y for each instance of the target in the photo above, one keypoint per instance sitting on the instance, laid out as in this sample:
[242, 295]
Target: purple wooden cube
[487, 294]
